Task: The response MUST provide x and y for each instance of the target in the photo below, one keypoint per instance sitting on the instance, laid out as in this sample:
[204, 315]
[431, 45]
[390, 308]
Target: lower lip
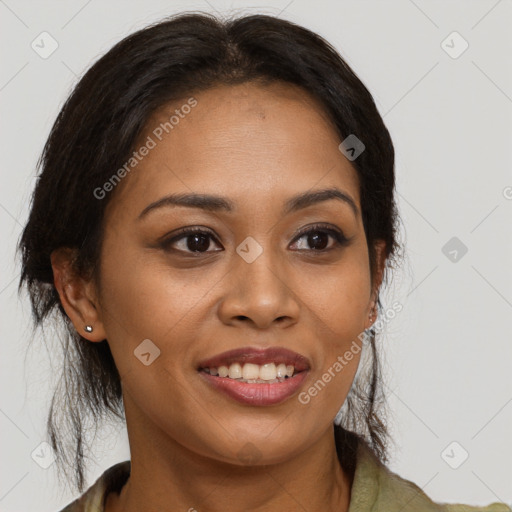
[256, 394]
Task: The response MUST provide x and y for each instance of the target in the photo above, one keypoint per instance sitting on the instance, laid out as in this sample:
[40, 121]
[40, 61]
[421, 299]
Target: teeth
[253, 373]
[281, 370]
[268, 371]
[235, 371]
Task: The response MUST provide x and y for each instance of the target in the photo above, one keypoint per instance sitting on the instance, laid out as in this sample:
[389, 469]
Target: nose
[259, 293]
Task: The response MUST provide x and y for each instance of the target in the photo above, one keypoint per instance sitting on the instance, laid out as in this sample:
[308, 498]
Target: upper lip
[258, 356]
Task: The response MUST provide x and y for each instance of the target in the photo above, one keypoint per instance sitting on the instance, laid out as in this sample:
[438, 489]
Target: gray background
[447, 354]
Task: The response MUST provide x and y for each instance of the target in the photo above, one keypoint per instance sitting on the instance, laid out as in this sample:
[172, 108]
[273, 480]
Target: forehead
[250, 141]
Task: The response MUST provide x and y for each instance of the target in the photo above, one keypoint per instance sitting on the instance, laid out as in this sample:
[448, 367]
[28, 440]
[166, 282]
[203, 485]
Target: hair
[96, 131]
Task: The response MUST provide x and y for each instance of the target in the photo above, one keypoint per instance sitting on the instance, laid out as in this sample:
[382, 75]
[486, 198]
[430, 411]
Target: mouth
[256, 376]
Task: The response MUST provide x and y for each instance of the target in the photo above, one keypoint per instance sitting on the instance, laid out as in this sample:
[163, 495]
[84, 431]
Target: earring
[88, 328]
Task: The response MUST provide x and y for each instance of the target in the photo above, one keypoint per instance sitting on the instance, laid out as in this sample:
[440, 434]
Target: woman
[213, 223]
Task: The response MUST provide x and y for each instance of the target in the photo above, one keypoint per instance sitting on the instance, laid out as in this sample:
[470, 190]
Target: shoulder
[93, 499]
[376, 487]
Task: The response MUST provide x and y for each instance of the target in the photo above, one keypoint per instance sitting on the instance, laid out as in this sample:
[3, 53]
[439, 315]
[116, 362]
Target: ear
[77, 295]
[380, 255]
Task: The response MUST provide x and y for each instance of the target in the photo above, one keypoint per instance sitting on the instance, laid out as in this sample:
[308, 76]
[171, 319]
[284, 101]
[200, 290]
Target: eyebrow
[218, 203]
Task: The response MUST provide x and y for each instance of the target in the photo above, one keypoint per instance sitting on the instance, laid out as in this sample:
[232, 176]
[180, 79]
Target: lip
[258, 356]
[257, 394]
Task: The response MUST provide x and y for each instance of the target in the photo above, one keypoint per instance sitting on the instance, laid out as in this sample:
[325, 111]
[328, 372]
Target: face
[259, 273]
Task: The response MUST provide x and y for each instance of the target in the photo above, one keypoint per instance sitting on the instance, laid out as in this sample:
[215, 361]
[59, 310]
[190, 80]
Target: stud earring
[88, 328]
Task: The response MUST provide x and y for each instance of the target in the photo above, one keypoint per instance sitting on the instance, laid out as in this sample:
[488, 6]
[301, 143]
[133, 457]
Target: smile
[254, 376]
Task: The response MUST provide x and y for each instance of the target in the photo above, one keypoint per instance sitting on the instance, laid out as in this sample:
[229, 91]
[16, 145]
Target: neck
[166, 475]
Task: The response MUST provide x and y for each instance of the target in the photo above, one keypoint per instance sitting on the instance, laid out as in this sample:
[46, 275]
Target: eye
[194, 240]
[197, 240]
[317, 236]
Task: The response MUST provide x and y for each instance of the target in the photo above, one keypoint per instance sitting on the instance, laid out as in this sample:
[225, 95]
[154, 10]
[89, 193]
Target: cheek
[143, 300]
[338, 298]
[143, 294]
[330, 385]
[143, 297]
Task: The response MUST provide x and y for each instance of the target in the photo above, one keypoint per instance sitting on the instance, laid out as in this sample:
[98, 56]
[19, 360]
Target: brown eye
[191, 240]
[317, 239]
[196, 241]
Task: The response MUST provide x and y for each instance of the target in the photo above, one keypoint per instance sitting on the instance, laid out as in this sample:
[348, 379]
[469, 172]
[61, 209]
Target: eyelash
[338, 236]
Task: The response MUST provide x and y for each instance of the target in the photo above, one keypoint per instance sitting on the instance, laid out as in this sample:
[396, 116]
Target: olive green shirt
[374, 489]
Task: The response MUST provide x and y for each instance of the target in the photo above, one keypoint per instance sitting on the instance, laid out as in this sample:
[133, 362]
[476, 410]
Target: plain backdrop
[447, 101]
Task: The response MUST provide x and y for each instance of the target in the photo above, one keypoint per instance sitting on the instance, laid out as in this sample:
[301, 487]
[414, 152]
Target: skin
[256, 145]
